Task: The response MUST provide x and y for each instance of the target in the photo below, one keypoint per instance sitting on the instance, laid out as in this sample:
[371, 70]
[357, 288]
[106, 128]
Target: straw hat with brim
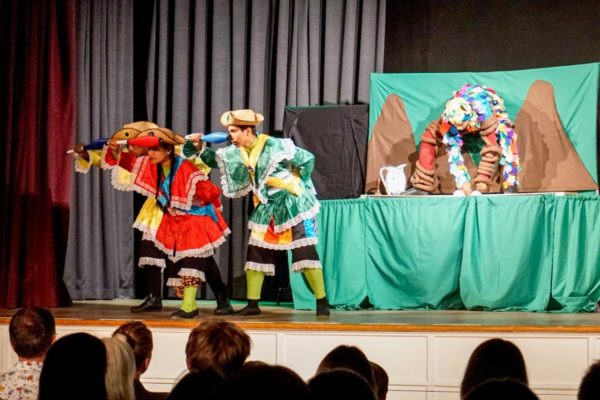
[131, 130]
[165, 135]
[241, 118]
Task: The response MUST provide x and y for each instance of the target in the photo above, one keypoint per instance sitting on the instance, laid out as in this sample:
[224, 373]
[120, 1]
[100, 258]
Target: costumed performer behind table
[278, 173]
[181, 222]
[473, 110]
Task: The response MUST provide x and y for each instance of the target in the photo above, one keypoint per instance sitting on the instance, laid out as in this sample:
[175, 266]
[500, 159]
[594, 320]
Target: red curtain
[37, 122]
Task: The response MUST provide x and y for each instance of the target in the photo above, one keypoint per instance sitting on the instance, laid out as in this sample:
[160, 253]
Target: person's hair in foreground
[501, 389]
[494, 358]
[120, 368]
[217, 344]
[589, 387]
[142, 343]
[74, 368]
[341, 383]
[195, 385]
[349, 357]
[31, 331]
[381, 380]
[262, 382]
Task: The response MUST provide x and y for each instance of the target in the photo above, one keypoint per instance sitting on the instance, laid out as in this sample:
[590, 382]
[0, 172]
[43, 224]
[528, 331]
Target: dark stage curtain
[207, 57]
[37, 94]
[100, 253]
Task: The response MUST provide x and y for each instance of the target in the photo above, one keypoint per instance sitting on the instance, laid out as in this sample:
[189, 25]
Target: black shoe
[323, 306]
[512, 190]
[223, 305]
[251, 309]
[150, 303]
[184, 314]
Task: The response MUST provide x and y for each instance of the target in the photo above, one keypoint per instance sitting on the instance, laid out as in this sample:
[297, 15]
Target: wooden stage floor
[284, 317]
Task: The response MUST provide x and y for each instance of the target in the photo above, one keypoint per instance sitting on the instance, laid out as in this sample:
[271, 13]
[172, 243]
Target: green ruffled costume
[279, 159]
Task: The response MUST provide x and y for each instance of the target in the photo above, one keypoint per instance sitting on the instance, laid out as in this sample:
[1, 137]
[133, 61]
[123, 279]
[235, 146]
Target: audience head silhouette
[74, 368]
[262, 382]
[341, 383]
[501, 389]
[590, 384]
[494, 358]
[349, 357]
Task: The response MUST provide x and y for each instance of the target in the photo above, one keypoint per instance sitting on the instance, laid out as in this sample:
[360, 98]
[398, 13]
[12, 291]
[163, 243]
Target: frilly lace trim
[158, 262]
[143, 190]
[183, 203]
[174, 282]
[306, 264]
[79, 168]
[207, 250]
[268, 269]
[114, 181]
[103, 163]
[193, 273]
[288, 224]
[288, 246]
[225, 183]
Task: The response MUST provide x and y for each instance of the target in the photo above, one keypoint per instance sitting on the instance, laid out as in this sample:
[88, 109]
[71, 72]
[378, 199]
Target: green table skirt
[508, 253]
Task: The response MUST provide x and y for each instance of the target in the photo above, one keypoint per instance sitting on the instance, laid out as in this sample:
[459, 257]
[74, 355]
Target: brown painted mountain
[549, 161]
[548, 158]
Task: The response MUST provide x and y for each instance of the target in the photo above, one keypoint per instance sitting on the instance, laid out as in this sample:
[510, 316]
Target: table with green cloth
[491, 252]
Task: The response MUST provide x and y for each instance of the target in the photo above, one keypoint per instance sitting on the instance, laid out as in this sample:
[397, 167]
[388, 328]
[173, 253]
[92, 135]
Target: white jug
[394, 180]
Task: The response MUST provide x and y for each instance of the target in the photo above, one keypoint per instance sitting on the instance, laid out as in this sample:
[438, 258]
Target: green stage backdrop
[424, 95]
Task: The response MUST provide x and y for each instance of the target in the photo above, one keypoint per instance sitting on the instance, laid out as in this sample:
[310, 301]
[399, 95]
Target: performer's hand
[433, 127]
[199, 144]
[489, 126]
[79, 151]
[112, 143]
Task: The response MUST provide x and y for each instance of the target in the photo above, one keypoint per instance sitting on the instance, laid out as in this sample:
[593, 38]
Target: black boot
[184, 314]
[223, 305]
[251, 309]
[150, 303]
[323, 306]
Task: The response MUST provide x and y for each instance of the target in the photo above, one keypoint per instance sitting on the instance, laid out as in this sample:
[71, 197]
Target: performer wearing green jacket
[278, 175]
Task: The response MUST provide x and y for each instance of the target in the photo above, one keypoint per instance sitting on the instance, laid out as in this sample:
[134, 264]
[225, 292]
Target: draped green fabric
[576, 255]
[507, 254]
[343, 246]
[493, 252]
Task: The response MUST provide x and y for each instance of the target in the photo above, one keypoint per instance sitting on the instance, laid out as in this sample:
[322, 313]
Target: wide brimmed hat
[241, 118]
[165, 135]
[133, 129]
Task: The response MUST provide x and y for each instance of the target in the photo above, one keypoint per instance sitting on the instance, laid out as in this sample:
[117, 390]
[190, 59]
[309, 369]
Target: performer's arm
[198, 150]
[208, 193]
[304, 161]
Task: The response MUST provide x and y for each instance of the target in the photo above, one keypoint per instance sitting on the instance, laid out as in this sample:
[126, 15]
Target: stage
[424, 352]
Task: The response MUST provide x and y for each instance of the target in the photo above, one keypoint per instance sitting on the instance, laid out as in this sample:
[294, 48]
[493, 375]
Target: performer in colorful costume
[278, 173]
[474, 109]
[180, 221]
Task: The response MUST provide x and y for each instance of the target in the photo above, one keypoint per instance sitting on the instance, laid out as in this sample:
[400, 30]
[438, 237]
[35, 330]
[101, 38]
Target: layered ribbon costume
[181, 220]
[279, 176]
[477, 110]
